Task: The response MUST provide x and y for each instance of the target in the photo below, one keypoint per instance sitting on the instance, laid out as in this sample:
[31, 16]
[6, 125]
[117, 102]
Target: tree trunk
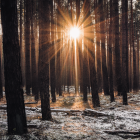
[1, 91]
[110, 55]
[58, 50]
[52, 61]
[103, 50]
[85, 69]
[21, 43]
[33, 52]
[98, 49]
[117, 47]
[124, 49]
[12, 70]
[77, 11]
[134, 51]
[137, 54]
[27, 46]
[43, 59]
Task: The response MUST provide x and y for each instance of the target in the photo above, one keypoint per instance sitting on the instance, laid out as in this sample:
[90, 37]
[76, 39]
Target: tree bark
[134, 51]
[110, 55]
[117, 47]
[27, 46]
[1, 90]
[33, 52]
[12, 70]
[124, 49]
[98, 49]
[52, 61]
[103, 50]
[58, 50]
[43, 59]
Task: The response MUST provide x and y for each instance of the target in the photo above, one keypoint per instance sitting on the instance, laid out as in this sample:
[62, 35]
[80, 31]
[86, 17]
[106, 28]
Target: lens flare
[74, 32]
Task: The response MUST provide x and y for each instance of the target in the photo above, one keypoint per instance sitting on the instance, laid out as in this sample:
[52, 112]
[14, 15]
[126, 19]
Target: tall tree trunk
[1, 91]
[12, 70]
[52, 61]
[93, 74]
[93, 78]
[27, 46]
[58, 49]
[33, 52]
[43, 58]
[117, 47]
[85, 72]
[110, 55]
[77, 10]
[21, 43]
[98, 50]
[137, 54]
[124, 49]
[77, 47]
[103, 50]
[134, 51]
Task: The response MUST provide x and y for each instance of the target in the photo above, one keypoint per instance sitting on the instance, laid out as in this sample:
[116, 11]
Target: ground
[79, 126]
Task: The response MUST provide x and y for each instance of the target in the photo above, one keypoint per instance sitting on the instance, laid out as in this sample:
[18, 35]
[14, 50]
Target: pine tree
[110, 55]
[27, 45]
[16, 116]
[124, 49]
[52, 61]
[103, 49]
[117, 47]
[33, 51]
[44, 58]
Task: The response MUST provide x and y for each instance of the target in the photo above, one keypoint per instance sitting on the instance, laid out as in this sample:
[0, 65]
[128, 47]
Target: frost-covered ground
[78, 126]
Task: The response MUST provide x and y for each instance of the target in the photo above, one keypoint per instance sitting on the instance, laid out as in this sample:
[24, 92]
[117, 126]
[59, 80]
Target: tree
[134, 51]
[27, 45]
[137, 30]
[21, 42]
[52, 61]
[110, 55]
[12, 70]
[103, 49]
[98, 50]
[117, 47]
[44, 59]
[58, 49]
[124, 49]
[33, 51]
[85, 58]
[93, 74]
[1, 91]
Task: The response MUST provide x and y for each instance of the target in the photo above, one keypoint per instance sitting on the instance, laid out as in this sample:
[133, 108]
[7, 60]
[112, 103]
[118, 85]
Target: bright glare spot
[74, 32]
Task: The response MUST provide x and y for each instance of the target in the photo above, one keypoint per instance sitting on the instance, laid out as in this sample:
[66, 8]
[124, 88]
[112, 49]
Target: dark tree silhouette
[1, 91]
[52, 61]
[124, 49]
[43, 59]
[93, 74]
[27, 45]
[110, 55]
[134, 51]
[117, 47]
[33, 50]
[137, 33]
[98, 50]
[103, 49]
[12, 70]
[58, 49]
[85, 58]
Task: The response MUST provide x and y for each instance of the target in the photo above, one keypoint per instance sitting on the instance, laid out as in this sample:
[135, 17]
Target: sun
[74, 32]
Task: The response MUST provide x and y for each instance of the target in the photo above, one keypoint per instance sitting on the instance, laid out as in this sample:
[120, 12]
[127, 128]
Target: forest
[69, 69]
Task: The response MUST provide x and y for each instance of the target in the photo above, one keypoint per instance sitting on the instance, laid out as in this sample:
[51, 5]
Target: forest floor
[124, 120]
